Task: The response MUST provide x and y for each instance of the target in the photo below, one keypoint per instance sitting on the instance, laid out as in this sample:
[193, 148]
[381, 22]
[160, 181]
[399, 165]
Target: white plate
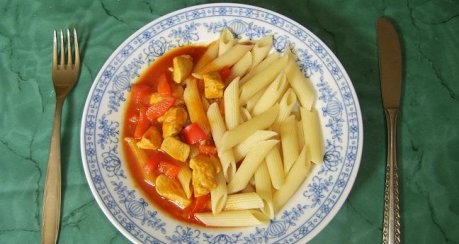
[310, 209]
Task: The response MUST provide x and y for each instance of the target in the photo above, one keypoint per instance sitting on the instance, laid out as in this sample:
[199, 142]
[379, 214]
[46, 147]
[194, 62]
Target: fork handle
[52, 195]
[391, 225]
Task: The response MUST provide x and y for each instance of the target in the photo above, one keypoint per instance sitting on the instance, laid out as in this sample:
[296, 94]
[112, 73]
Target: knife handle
[391, 227]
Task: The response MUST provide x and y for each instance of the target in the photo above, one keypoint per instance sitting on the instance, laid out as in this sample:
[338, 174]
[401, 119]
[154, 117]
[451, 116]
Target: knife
[390, 75]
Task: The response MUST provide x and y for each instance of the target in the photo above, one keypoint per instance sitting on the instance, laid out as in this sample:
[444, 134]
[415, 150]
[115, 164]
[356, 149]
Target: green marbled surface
[428, 132]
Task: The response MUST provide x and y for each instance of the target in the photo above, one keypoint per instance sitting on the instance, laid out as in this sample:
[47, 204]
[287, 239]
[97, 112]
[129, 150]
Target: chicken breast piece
[172, 190]
[213, 85]
[204, 174]
[182, 66]
[152, 139]
[176, 148]
[173, 121]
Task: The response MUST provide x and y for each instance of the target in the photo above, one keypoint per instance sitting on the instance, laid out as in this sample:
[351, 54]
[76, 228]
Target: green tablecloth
[428, 134]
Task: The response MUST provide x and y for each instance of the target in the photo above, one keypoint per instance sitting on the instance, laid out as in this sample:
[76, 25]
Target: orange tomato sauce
[150, 77]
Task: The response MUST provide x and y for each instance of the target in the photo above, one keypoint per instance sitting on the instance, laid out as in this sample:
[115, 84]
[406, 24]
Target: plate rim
[350, 184]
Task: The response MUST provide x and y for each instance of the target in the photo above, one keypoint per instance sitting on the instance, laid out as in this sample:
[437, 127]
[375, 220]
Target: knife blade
[390, 74]
[390, 63]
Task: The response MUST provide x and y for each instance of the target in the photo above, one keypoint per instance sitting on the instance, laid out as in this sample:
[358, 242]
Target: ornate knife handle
[391, 228]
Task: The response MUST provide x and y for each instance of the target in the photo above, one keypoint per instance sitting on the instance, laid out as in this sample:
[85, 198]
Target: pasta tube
[261, 49]
[242, 201]
[289, 139]
[218, 129]
[236, 135]
[228, 59]
[275, 167]
[141, 159]
[236, 218]
[240, 68]
[294, 179]
[270, 96]
[218, 195]
[300, 84]
[184, 177]
[262, 79]
[225, 42]
[231, 103]
[194, 104]
[313, 134]
[286, 105]
[263, 188]
[250, 164]
[261, 66]
[210, 54]
[241, 150]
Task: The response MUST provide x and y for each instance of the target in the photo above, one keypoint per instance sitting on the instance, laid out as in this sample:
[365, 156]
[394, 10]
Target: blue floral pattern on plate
[315, 203]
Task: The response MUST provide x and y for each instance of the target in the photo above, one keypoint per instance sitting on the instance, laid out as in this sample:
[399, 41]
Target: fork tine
[62, 62]
[77, 51]
[69, 49]
[54, 50]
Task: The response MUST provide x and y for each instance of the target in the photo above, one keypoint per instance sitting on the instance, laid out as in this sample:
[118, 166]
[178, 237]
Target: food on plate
[224, 134]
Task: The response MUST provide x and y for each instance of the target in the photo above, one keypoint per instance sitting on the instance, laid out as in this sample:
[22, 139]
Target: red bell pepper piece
[207, 149]
[193, 133]
[225, 73]
[200, 204]
[164, 86]
[142, 123]
[158, 109]
[154, 160]
[201, 85]
[150, 167]
[140, 94]
[171, 170]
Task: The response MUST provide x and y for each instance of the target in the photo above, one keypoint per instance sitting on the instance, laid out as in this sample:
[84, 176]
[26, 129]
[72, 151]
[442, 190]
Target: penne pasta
[313, 134]
[241, 150]
[225, 42]
[286, 105]
[240, 68]
[262, 79]
[299, 127]
[210, 54]
[245, 115]
[238, 134]
[138, 153]
[243, 201]
[231, 103]
[261, 66]
[248, 188]
[252, 181]
[184, 177]
[275, 167]
[270, 96]
[294, 179]
[261, 49]
[194, 104]
[141, 159]
[205, 103]
[300, 84]
[228, 59]
[218, 195]
[216, 122]
[289, 140]
[254, 99]
[236, 218]
[228, 157]
[263, 188]
[218, 129]
[250, 164]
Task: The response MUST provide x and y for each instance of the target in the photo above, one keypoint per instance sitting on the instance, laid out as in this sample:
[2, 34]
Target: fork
[65, 74]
